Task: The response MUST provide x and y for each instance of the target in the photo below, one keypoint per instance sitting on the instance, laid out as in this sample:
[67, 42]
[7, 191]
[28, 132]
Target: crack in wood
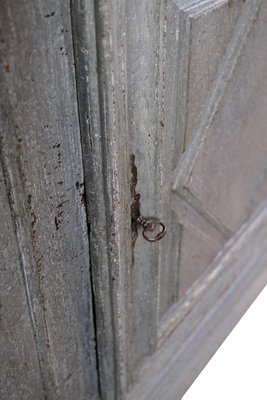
[135, 197]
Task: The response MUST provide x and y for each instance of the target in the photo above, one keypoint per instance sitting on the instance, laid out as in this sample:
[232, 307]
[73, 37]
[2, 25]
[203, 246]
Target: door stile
[100, 53]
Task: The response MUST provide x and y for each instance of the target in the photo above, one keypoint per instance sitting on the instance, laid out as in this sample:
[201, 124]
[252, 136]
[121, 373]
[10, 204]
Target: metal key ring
[149, 224]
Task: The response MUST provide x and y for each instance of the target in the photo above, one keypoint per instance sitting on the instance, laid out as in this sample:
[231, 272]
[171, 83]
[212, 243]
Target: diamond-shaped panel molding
[222, 176]
[230, 174]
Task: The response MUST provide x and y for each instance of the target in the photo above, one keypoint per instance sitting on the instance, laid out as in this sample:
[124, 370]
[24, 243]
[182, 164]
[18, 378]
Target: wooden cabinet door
[102, 100]
[181, 85]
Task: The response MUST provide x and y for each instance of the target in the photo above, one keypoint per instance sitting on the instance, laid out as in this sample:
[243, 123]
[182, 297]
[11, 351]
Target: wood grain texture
[183, 326]
[41, 156]
[153, 79]
[136, 64]
[99, 43]
[145, 66]
[170, 149]
[20, 374]
[148, 61]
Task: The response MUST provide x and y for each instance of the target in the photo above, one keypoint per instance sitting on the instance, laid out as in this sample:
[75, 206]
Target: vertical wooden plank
[99, 44]
[110, 88]
[42, 160]
[145, 67]
[20, 374]
[172, 144]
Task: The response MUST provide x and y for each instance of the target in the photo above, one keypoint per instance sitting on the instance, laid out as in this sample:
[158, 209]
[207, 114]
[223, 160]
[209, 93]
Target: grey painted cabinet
[99, 101]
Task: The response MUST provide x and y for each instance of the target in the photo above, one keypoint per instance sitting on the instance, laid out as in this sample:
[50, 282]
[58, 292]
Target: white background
[238, 371]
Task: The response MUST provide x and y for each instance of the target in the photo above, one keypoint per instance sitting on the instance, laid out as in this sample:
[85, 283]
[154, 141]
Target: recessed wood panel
[197, 37]
[220, 178]
[231, 171]
[196, 255]
[210, 32]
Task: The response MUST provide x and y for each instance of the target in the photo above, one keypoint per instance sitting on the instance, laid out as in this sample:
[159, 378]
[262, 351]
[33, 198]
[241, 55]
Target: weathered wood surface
[221, 297]
[100, 68]
[211, 78]
[42, 164]
[145, 64]
[224, 180]
[82, 87]
[171, 67]
[176, 52]
[195, 43]
[163, 68]
[215, 139]
[20, 376]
